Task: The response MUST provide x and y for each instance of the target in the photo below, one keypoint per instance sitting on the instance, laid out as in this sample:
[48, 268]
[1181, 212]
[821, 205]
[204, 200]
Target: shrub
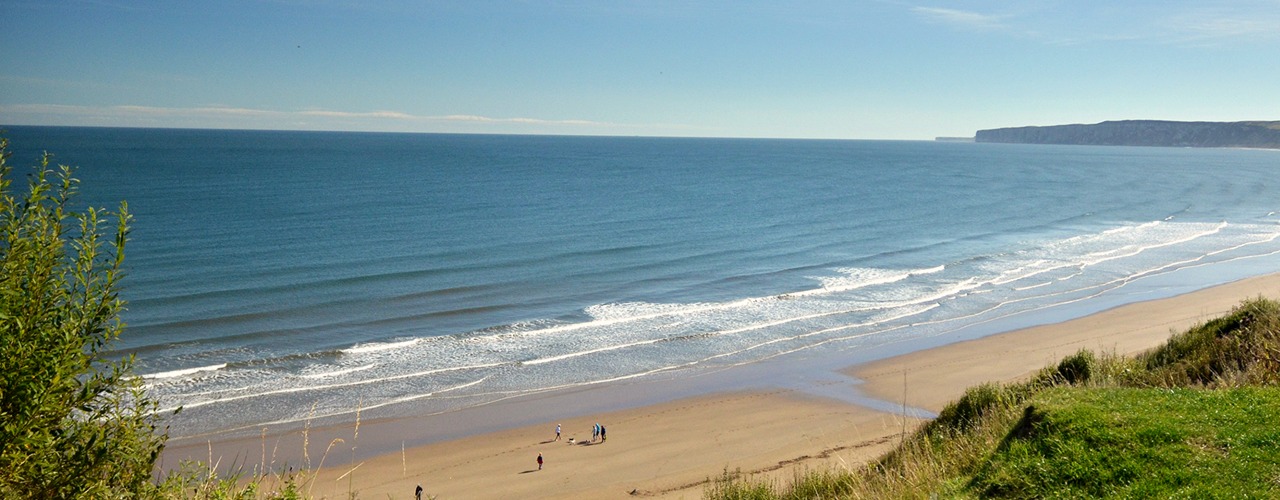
[1242, 347]
[1077, 368]
[72, 424]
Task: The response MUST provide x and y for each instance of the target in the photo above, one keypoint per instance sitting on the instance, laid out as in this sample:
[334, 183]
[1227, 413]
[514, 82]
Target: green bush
[72, 424]
[976, 402]
[1241, 348]
[1077, 368]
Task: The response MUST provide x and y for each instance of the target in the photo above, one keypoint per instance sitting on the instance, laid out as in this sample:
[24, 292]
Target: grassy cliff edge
[1192, 418]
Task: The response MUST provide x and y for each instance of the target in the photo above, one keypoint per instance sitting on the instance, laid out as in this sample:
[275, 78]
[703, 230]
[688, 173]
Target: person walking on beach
[557, 432]
[539, 461]
[602, 434]
[595, 432]
[417, 493]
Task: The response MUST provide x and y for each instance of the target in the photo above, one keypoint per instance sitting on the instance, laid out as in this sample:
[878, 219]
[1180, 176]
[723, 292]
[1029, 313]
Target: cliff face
[1145, 133]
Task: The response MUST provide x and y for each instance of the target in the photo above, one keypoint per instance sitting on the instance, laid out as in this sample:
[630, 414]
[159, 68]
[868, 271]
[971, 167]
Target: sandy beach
[669, 450]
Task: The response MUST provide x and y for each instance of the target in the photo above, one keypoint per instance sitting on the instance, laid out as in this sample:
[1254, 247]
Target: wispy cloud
[59, 83]
[536, 121]
[391, 115]
[313, 119]
[960, 18]
[1221, 28]
[1075, 23]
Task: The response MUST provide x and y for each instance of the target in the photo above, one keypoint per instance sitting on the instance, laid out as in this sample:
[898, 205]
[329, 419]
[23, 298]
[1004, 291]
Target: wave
[336, 373]
[617, 313]
[406, 399]
[359, 408]
[308, 388]
[561, 357]
[183, 372]
[850, 279]
[1082, 251]
[857, 278]
[872, 322]
[627, 340]
[379, 346]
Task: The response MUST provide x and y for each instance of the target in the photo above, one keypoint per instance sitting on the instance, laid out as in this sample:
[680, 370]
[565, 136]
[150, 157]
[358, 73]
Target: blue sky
[872, 69]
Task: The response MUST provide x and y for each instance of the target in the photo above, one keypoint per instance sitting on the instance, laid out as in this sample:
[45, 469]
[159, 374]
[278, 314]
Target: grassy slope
[1193, 419]
[1139, 443]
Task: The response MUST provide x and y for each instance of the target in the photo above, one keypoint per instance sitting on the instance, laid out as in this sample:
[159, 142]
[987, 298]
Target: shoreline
[669, 448]
[937, 376]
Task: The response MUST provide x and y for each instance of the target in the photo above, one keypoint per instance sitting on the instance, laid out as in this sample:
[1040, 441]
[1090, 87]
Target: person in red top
[539, 461]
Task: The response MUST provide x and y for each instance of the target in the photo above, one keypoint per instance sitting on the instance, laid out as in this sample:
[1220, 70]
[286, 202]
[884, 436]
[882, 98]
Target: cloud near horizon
[316, 119]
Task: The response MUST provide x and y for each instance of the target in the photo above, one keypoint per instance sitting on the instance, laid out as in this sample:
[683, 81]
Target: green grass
[1139, 443]
[1194, 418]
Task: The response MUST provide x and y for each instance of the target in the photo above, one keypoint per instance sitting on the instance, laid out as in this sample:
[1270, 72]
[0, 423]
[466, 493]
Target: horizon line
[4, 127]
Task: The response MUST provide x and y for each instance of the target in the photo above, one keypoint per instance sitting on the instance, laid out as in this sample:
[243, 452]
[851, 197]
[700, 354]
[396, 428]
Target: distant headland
[1254, 134]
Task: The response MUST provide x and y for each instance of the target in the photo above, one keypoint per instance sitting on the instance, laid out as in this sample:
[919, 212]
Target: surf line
[291, 390]
[706, 307]
[185, 371]
[348, 412]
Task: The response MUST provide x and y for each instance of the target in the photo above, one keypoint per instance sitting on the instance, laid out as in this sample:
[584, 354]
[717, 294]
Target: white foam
[730, 331]
[624, 311]
[414, 397]
[855, 278]
[871, 322]
[336, 373]
[379, 346]
[291, 390]
[311, 416]
[1114, 244]
[549, 359]
[1132, 250]
[604, 315]
[862, 277]
[183, 372]
[1032, 287]
[624, 339]
[954, 289]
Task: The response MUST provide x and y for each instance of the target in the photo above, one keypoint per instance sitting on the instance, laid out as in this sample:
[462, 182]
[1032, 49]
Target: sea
[275, 277]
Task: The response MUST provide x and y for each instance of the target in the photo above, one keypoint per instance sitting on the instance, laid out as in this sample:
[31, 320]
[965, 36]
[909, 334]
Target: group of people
[597, 432]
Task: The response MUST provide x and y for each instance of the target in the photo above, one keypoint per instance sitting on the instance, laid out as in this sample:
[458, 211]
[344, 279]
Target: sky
[853, 69]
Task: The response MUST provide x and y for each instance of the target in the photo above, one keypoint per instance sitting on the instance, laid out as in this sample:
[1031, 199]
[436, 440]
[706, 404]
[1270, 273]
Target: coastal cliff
[1145, 133]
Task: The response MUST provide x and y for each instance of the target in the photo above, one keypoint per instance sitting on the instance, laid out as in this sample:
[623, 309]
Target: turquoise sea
[276, 276]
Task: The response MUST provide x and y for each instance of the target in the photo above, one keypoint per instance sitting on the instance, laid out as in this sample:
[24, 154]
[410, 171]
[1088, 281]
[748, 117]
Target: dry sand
[669, 450]
[665, 450]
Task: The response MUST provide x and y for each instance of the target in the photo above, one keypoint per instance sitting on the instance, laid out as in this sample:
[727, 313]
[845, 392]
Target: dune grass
[1193, 418]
